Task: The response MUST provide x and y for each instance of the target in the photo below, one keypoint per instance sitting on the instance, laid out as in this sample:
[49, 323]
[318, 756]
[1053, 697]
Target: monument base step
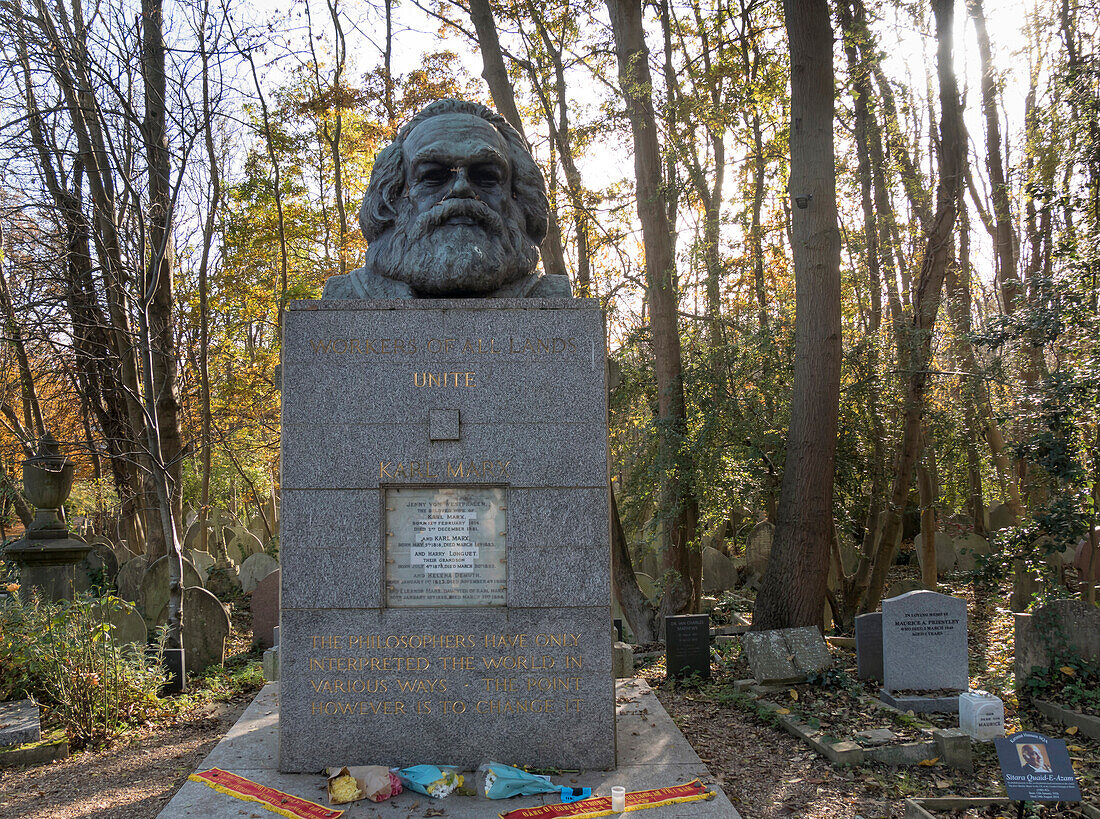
[921, 704]
[652, 753]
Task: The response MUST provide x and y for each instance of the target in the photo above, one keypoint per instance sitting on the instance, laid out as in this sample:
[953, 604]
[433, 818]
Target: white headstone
[981, 715]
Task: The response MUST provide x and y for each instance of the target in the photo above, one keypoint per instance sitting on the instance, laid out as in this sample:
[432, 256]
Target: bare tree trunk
[500, 87]
[678, 509]
[793, 589]
[926, 300]
[639, 614]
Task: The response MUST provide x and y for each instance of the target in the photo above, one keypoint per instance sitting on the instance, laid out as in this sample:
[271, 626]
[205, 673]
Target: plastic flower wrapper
[431, 780]
[497, 781]
[373, 782]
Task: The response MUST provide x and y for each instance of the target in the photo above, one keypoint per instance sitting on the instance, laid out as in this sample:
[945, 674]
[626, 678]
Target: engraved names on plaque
[445, 546]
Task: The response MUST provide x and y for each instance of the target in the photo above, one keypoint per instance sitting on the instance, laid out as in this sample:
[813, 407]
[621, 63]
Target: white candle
[618, 799]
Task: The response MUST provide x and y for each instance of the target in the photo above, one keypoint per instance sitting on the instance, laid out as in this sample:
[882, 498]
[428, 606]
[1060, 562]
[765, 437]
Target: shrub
[66, 658]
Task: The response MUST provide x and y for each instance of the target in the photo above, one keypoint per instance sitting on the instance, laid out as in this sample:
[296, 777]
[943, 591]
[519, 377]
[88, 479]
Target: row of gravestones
[722, 573]
[206, 621]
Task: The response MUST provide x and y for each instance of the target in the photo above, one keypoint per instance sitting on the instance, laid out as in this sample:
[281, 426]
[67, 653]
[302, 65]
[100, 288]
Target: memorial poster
[1037, 768]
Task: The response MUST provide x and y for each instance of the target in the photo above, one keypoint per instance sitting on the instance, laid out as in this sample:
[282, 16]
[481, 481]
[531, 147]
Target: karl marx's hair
[387, 179]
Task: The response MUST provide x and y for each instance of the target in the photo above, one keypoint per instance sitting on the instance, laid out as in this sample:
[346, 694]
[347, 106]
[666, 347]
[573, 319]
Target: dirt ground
[134, 779]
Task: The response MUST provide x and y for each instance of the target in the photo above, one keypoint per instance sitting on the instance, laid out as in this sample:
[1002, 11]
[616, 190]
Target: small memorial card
[1037, 768]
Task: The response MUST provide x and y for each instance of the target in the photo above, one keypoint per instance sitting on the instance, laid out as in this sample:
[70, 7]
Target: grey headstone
[19, 723]
[242, 546]
[1086, 558]
[758, 549]
[154, 585]
[968, 548]
[255, 568]
[193, 538]
[719, 574]
[945, 553]
[1000, 517]
[202, 561]
[1076, 623]
[129, 626]
[205, 627]
[265, 610]
[869, 646]
[924, 644]
[646, 584]
[101, 561]
[129, 578]
[900, 587]
[785, 655]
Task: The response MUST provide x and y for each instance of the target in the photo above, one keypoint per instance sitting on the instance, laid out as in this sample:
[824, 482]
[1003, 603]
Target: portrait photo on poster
[1037, 768]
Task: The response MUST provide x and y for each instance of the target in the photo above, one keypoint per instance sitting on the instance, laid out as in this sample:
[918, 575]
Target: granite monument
[445, 540]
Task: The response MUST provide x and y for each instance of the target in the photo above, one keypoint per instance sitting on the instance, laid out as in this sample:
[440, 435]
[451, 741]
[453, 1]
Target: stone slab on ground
[785, 655]
[652, 753]
[919, 704]
[19, 723]
[51, 748]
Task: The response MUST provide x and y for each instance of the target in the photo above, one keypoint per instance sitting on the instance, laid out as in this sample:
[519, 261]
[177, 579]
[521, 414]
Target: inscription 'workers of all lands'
[470, 346]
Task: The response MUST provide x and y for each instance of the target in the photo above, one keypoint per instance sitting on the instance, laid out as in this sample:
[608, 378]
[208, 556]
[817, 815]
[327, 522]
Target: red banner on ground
[601, 805]
[285, 804]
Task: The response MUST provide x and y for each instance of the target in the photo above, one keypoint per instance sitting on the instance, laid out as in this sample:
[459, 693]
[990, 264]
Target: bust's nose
[461, 187]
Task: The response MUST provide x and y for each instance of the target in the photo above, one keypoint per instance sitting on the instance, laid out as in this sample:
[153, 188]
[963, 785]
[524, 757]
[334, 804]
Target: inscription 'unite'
[456, 379]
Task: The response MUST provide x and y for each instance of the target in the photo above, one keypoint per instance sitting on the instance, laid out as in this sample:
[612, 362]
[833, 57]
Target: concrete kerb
[652, 753]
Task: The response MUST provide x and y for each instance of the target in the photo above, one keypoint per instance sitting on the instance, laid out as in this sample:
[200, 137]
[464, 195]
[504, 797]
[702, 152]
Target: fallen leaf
[1077, 749]
[1068, 671]
[782, 710]
[943, 783]
[928, 763]
[1071, 730]
[434, 812]
[794, 694]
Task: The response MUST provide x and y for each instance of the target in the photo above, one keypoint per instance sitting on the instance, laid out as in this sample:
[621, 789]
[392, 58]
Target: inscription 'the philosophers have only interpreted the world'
[498, 674]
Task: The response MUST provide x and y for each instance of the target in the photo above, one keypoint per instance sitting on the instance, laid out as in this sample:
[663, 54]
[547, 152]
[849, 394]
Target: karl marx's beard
[459, 247]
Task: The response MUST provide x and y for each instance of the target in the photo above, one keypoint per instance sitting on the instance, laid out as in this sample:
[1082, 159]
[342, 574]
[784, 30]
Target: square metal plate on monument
[445, 546]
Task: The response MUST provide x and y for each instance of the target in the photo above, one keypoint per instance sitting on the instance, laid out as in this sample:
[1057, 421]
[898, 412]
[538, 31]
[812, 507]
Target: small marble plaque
[445, 546]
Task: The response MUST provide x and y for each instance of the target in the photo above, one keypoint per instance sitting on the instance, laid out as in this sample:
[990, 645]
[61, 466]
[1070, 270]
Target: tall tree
[793, 589]
[678, 508]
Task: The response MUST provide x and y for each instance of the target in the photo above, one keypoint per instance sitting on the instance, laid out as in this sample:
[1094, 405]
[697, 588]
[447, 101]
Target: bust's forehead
[453, 136]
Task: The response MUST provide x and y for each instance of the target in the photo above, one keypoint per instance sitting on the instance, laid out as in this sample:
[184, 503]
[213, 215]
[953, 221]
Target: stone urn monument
[46, 555]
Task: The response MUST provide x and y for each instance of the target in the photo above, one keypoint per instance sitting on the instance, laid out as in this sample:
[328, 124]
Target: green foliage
[66, 658]
[833, 679]
[1070, 680]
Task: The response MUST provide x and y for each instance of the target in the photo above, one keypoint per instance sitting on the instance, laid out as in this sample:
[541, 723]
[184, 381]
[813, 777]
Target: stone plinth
[445, 545]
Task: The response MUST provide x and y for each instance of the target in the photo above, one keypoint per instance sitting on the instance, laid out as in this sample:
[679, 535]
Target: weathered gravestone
[154, 585]
[869, 646]
[719, 573]
[924, 649]
[129, 578]
[265, 610]
[1063, 626]
[758, 548]
[19, 723]
[242, 545]
[968, 548]
[1000, 517]
[129, 625]
[202, 561]
[785, 655]
[205, 627]
[255, 568]
[945, 552]
[687, 645]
